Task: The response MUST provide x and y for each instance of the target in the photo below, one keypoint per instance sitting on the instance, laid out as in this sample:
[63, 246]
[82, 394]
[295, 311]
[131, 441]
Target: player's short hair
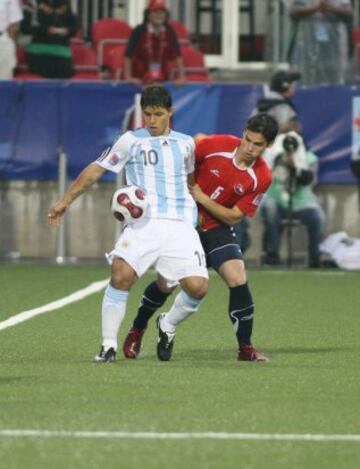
[263, 124]
[155, 95]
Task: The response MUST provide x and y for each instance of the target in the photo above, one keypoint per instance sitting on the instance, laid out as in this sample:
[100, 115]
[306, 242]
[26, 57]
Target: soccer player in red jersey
[231, 179]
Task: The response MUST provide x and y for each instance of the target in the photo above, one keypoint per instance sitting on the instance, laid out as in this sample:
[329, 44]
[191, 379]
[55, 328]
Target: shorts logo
[257, 200]
[114, 160]
[239, 189]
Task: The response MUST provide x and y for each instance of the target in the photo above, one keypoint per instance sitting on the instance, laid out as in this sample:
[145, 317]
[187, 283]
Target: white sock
[182, 307]
[112, 314]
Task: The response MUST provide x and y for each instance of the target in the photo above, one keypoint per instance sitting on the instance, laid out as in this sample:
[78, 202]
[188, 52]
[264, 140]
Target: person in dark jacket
[153, 49]
[278, 101]
[51, 24]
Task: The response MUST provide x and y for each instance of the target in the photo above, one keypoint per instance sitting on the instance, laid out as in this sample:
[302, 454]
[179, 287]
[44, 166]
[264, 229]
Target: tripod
[290, 146]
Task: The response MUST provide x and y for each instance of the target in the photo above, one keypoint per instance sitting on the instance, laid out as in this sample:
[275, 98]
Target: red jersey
[221, 179]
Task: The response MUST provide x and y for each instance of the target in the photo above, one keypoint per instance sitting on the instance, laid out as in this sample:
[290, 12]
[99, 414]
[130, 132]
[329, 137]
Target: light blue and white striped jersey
[159, 166]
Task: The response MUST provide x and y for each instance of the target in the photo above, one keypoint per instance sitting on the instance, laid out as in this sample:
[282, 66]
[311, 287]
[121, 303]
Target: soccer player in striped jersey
[159, 161]
[231, 179]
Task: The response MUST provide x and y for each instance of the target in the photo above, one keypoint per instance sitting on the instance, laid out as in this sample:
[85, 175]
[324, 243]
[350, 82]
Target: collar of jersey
[236, 166]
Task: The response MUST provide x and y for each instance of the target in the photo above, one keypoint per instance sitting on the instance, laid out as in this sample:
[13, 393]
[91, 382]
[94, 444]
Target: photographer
[278, 103]
[291, 196]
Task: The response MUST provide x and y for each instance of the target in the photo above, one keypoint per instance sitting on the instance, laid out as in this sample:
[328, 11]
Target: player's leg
[136, 250]
[186, 303]
[226, 258]
[114, 307]
[241, 308]
[183, 260]
[154, 296]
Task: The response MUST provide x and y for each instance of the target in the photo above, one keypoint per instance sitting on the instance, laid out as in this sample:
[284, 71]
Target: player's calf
[165, 343]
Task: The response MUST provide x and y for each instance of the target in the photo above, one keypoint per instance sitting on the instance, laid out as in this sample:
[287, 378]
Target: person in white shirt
[160, 162]
[10, 16]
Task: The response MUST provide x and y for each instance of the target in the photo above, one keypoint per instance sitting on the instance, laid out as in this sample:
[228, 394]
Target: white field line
[178, 436]
[76, 296]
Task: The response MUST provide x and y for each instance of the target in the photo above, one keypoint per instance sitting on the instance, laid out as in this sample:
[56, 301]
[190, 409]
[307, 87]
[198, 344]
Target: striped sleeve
[114, 158]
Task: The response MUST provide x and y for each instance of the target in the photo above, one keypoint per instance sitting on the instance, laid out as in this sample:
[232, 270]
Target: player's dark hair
[263, 124]
[155, 95]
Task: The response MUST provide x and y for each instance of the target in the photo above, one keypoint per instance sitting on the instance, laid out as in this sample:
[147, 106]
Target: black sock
[241, 312]
[151, 300]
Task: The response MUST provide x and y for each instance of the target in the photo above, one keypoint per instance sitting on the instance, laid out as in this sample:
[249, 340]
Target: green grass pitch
[308, 322]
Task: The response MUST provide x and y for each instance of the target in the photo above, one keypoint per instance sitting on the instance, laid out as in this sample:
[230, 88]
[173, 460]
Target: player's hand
[56, 212]
[198, 195]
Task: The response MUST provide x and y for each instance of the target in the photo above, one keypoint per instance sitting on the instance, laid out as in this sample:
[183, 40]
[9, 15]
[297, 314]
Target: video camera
[290, 144]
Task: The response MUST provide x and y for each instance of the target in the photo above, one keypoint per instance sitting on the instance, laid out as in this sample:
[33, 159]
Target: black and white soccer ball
[129, 204]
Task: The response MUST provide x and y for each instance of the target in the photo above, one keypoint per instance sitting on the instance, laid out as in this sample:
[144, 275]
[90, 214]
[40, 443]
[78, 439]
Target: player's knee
[196, 287]
[122, 275]
[233, 272]
[236, 279]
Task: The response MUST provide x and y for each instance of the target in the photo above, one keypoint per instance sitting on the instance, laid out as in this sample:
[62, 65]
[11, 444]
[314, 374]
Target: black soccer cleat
[105, 356]
[165, 342]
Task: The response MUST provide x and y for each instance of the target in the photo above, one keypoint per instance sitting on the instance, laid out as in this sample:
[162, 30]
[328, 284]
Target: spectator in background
[319, 44]
[278, 101]
[153, 46]
[291, 196]
[10, 16]
[51, 24]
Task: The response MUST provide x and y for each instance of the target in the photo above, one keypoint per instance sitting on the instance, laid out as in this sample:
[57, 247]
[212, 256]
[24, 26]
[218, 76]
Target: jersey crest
[239, 189]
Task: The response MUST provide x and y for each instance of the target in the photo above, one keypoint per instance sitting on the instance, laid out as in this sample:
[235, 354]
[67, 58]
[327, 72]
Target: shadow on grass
[17, 379]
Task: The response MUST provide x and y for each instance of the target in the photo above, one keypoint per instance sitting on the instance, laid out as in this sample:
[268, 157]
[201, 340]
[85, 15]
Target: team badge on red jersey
[239, 189]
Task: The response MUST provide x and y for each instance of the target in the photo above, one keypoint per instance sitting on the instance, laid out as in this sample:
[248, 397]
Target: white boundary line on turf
[76, 296]
[178, 435]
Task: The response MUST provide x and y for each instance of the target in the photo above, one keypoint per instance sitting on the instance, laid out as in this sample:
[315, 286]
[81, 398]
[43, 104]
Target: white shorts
[173, 247]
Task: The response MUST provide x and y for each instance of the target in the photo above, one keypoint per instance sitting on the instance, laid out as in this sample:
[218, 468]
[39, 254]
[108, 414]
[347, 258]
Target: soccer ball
[129, 204]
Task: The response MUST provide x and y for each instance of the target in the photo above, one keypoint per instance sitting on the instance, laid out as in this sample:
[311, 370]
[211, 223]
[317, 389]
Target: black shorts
[220, 245]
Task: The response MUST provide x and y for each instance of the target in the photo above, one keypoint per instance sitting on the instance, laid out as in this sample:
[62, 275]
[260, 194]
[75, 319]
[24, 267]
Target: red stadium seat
[85, 61]
[116, 62]
[28, 76]
[181, 32]
[21, 64]
[106, 34]
[194, 64]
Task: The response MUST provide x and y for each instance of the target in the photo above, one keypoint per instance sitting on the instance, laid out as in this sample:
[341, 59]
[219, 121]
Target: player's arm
[191, 179]
[86, 179]
[228, 216]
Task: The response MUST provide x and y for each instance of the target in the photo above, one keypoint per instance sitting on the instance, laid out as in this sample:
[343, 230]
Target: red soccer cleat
[248, 353]
[132, 343]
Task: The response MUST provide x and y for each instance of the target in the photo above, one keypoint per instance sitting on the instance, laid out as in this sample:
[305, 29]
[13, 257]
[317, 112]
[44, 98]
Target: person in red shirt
[231, 178]
[153, 48]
